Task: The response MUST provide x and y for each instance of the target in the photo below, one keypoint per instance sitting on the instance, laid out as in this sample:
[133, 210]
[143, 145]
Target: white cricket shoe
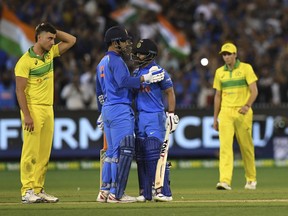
[223, 186]
[47, 197]
[30, 197]
[124, 199]
[141, 198]
[102, 196]
[251, 185]
[162, 198]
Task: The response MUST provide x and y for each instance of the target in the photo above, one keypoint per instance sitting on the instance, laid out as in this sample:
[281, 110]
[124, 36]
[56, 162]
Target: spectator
[7, 92]
[76, 95]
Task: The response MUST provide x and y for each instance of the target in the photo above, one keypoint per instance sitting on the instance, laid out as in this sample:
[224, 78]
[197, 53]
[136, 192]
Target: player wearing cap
[236, 90]
[150, 121]
[113, 85]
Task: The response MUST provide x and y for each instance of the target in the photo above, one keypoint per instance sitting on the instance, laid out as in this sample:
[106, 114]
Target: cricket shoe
[31, 197]
[47, 198]
[141, 198]
[124, 199]
[251, 185]
[162, 198]
[102, 196]
[223, 186]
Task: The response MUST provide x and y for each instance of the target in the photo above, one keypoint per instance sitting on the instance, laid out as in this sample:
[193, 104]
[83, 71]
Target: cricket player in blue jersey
[114, 85]
[151, 120]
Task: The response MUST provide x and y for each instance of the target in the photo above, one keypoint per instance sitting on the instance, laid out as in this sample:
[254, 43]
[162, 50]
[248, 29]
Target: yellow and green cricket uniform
[234, 86]
[39, 94]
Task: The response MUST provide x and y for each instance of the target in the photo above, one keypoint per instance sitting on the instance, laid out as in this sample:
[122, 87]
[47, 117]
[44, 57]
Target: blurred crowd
[258, 28]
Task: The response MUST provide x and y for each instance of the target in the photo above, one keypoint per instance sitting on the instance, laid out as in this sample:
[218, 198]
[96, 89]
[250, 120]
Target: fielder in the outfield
[236, 90]
[151, 120]
[35, 90]
[114, 82]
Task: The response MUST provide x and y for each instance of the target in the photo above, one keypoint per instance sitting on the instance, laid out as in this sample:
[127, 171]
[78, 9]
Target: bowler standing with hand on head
[236, 90]
[35, 89]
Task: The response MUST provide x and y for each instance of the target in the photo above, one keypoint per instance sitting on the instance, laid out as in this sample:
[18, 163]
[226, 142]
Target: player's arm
[67, 41]
[217, 106]
[172, 119]
[21, 84]
[254, 93]
[171, 99]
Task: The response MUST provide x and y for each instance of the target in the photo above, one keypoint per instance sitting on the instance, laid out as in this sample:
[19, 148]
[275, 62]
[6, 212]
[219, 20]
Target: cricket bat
[161, 164]
[102, 157]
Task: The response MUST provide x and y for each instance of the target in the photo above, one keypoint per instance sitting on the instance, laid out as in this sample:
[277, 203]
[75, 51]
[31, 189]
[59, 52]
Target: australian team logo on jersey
[47, 56]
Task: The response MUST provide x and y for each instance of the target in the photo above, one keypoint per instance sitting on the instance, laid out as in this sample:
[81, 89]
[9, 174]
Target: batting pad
[166, 190]
[127, 148]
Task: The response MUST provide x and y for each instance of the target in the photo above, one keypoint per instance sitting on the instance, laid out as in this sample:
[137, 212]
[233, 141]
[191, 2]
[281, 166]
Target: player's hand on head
[155, 74]
[100, 123]
[172, 121]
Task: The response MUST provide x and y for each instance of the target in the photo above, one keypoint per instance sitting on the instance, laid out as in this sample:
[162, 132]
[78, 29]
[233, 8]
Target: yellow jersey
[234, 84]
[40, 74]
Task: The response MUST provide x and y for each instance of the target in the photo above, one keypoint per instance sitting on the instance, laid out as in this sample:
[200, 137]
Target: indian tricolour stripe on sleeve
[175, 39]
[124, 15]
[15, 36]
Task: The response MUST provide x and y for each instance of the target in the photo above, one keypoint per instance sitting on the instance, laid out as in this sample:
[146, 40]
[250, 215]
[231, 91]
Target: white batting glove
[101, 99]
[155, 74]
[100, 123]
[172, 121]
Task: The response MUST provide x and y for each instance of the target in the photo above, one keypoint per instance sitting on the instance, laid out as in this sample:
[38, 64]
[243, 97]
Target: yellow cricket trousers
[233, 123]
[36, 148]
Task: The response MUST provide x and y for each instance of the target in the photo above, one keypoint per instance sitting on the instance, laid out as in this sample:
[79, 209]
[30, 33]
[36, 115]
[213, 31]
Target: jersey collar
[236, 65]
[112, 53]
[32, 54]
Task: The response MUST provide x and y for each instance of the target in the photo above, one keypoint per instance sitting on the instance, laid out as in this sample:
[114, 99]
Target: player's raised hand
[155, 74]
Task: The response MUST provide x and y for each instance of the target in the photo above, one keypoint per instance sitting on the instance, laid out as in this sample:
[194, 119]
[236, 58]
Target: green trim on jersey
[43, 70]
[39, 74]
[236, 65]
[234, 83]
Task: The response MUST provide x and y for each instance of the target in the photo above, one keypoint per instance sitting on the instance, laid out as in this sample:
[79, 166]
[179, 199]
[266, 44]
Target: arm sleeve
[166, 83]
[251, 76]
[55, 51]
[123, 78]
[22, 69]
[98, 92]
[217, 83]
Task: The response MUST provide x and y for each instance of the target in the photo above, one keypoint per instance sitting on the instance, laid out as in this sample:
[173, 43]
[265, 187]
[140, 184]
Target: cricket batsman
[150, 121]
[114, 82]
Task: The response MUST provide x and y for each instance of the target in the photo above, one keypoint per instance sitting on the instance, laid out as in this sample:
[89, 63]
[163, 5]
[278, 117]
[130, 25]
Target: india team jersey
[234, 84]
[40, 75]
[149, 97]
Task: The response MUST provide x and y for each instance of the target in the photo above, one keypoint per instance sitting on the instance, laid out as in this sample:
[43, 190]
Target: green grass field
[194, 194]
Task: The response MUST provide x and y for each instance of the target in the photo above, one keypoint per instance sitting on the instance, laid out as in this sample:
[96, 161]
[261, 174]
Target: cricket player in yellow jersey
[35, 89]
[236, 90]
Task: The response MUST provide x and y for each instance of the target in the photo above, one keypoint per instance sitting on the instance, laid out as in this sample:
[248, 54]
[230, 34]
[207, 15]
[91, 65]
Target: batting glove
[172, 121]
[100, 123]
[155, 74]
[101, 99]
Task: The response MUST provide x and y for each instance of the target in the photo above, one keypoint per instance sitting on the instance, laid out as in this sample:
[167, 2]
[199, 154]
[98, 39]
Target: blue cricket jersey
[148, 97]
[113, 80]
